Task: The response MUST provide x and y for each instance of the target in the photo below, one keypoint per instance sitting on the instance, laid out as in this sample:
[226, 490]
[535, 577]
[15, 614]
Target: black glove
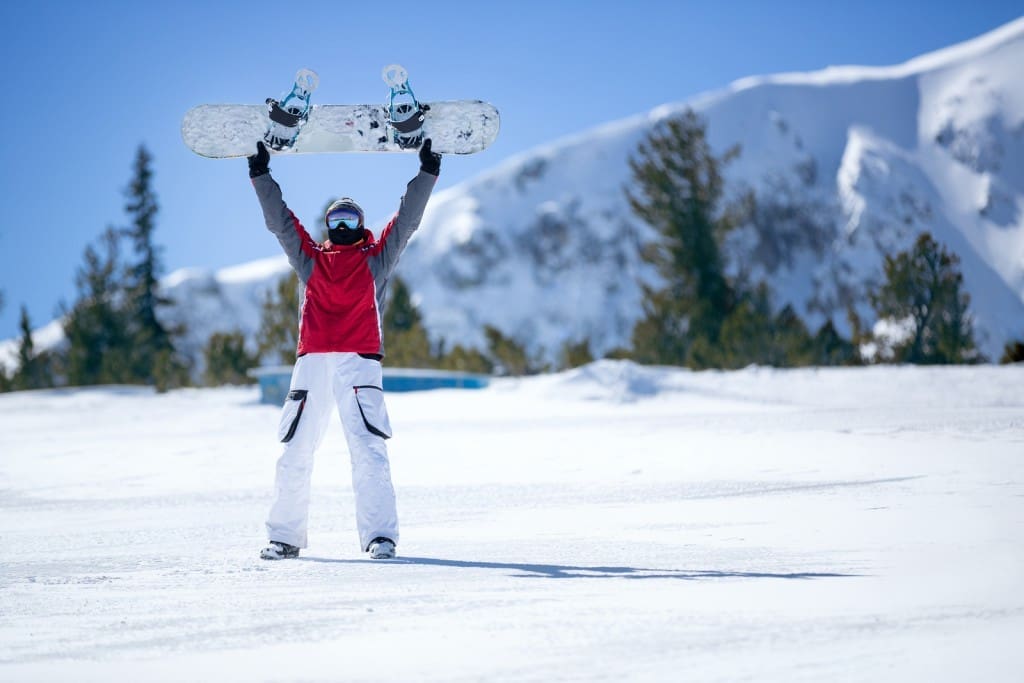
[430, 162]
[259, 163]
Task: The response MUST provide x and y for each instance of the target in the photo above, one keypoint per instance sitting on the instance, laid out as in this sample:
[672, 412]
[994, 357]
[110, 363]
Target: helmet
[344, 221]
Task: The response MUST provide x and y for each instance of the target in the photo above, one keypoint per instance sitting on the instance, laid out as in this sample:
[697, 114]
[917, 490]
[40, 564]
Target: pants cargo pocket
[291, 414]
[370, 400]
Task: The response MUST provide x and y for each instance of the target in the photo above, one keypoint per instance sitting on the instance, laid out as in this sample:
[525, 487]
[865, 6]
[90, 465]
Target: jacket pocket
[370, 400]
[291, 414]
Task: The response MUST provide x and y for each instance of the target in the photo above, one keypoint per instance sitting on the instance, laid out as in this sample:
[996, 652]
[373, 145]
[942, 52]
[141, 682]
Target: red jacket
[345, 286]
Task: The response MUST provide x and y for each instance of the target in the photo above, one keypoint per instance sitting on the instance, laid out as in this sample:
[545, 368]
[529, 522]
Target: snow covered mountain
[853, 162]
[536, 247]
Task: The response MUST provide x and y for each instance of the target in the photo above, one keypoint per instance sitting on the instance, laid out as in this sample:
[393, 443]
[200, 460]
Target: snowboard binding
[405, 115]
[288, 116]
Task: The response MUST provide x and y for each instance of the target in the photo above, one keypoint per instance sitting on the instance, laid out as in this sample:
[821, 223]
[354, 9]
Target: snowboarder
[339, 355]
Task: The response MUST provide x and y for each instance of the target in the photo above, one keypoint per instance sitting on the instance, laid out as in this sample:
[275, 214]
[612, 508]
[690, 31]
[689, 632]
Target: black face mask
[344, 236]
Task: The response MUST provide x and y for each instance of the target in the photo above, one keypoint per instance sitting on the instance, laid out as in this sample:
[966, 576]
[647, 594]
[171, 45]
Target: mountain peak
[976, 48]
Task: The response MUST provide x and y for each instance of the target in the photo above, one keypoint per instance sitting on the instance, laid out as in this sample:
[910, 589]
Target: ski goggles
[344, 218]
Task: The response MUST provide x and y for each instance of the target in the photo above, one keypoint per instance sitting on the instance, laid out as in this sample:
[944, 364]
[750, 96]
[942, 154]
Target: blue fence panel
[275, 381]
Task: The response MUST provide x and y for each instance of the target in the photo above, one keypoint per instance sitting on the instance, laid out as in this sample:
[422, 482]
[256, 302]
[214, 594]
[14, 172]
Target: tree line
[700, 316]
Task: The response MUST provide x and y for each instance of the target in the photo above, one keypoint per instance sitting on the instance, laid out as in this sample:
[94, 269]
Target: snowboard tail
[224, 131]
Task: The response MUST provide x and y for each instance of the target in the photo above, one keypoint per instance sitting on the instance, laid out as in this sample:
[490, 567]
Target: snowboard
[295, 126]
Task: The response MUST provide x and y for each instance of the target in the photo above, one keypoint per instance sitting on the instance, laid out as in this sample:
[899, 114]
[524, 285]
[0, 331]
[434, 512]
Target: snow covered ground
[610, 523]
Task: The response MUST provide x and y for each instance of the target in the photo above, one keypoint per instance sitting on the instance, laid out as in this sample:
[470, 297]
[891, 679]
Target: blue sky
[87, 83]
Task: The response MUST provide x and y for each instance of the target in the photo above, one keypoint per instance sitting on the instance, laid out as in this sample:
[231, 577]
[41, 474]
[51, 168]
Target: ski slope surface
[610, 523]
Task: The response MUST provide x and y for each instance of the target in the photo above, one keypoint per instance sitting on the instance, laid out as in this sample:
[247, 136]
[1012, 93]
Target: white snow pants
[354, 385]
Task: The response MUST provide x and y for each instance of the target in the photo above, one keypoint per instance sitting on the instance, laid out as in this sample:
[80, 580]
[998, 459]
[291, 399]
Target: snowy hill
[615, 523]
[544, 247]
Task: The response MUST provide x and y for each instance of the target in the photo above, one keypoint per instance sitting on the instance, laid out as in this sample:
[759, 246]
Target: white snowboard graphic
[294, 126]
[232, 130]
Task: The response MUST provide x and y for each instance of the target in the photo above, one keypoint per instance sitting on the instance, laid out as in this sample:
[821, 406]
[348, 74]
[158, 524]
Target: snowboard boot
[276, 550]
[382, 548]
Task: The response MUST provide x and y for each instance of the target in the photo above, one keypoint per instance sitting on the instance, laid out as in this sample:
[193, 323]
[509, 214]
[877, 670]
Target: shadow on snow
[561, 571]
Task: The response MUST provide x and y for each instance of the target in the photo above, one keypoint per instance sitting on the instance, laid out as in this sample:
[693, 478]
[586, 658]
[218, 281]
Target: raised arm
[294, 239]
[410, 212]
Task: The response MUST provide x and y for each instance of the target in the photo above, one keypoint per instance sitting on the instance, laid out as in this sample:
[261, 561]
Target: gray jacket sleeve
[396, 235]
[294, 239]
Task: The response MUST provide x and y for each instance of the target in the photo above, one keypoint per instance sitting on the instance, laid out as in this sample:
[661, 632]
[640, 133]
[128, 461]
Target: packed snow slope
[610, 523]
[849, 164]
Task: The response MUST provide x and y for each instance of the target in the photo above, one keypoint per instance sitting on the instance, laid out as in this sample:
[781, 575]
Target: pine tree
[113, 332]
[677, 190]
[405, 338]
[923, 287]
[24, 376]
[754, 334]
[661, 337]
[829, 347]
[508, 356]
[747, 333]
[1013, 352]
[575, 354]
[227, 360]
[34, 369]
[95, 326]
[400, 314]
[462, 359]
[278, 337]
[152, 356]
